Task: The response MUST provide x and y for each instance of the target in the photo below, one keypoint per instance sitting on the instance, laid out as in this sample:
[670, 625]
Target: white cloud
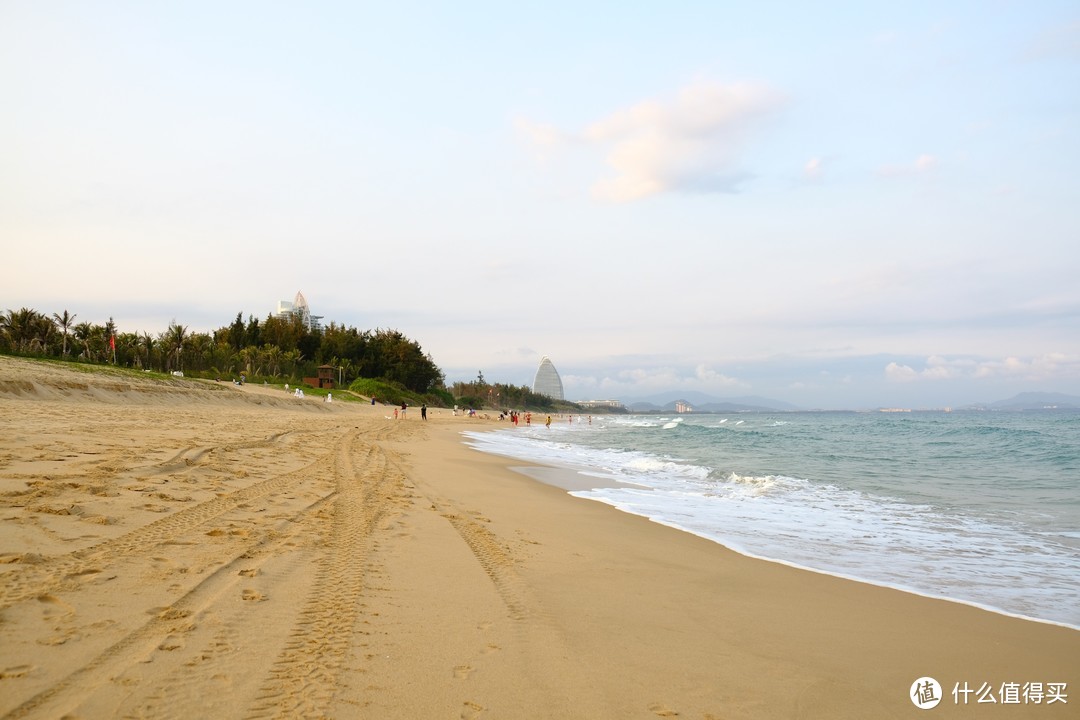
[812, 170]
[637, 381]
[900, 373]
[712, 379]
[1044, 367]
[1051, 366]
[689, 143]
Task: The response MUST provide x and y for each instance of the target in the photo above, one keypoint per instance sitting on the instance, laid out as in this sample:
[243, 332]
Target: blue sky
[844, 205]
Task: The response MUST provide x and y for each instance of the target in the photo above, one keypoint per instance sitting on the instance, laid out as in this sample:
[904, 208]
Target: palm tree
[148, 345]
[248, 357]
[82, 333]
[174, 338]
[346, 370]
[199, 345]
[273, 359]
[64, 322]
[24, 329]
[291, 359]
[41, 328]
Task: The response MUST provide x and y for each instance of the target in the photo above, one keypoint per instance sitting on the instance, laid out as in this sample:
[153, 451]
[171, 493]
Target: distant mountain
[1036, 401]
[701, 402]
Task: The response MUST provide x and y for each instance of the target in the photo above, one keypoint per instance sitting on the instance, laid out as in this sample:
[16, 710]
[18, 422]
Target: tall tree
[147, 344]
[253, 333]
[175, 336]
[82, 333]
[236, 332]
[64, 322]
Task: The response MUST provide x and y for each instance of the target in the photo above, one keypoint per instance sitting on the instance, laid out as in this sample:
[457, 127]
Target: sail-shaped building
[299, 307]
[547, 381]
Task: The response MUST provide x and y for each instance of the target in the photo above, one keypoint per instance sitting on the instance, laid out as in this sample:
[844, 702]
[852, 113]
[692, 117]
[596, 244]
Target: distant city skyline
[833, 205]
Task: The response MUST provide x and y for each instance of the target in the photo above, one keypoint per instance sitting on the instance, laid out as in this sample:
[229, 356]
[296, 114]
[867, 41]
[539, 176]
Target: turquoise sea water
[982, 508]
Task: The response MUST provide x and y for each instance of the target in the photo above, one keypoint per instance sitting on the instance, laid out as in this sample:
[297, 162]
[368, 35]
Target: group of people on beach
[400, 414]
[515, 417]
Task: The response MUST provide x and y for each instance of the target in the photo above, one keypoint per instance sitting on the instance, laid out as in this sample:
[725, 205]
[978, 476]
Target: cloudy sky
[832, 204]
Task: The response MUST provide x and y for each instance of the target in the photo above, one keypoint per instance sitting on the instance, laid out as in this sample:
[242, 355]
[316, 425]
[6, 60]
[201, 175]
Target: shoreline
[580, 480]
[838, 606]
[176, 550]
[566, 478]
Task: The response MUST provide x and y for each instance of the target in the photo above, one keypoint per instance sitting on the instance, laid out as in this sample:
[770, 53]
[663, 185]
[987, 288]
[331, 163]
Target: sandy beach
[190, 549]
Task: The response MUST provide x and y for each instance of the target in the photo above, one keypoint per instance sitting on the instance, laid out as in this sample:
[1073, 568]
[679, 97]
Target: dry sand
[186, 549]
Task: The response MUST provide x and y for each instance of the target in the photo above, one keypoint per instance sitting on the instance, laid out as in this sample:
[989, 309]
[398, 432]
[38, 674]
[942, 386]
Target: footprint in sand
[54, 606]
[462, 671]
[471, 710]
[660, 710]
[172, 642]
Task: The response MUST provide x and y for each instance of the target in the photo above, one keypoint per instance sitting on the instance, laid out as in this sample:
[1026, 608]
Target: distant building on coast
[681, 406]
[299, 307]
[606, 404]
[547, 381]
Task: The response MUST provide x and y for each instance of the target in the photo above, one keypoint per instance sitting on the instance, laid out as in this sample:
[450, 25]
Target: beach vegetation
[499, 396]
[275, 350]
[381, 363]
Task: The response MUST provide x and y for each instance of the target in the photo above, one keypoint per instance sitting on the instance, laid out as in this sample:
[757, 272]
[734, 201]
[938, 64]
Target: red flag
[112, 341]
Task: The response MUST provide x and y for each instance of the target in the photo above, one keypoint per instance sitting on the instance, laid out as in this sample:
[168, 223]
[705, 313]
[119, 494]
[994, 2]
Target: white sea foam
[874, 537]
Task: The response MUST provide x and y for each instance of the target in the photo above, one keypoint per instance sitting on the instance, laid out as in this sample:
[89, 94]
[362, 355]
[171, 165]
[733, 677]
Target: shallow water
[982, 508]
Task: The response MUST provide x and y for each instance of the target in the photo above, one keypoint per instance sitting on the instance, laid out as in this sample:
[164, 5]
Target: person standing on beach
[404, 407]
[548, 423]
[423, 411]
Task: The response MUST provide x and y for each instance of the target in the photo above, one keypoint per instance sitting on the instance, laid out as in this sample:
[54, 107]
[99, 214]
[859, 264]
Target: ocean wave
[873, 505]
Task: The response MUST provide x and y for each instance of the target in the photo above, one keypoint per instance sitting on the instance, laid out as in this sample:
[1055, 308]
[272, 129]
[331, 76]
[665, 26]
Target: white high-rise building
[547, 381]
[299, 307]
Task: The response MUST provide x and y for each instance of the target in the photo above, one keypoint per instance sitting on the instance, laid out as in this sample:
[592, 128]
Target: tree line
[277, 347]
[480, 394]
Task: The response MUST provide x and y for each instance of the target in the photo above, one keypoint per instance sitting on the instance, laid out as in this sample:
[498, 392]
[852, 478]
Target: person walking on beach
[423, 411]
[548, 423]
[404, 407]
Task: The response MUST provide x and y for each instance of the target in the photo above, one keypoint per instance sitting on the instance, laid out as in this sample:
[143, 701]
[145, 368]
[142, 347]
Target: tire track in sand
[30, 581]
[304, 679]
[174, 621]
[494, 557]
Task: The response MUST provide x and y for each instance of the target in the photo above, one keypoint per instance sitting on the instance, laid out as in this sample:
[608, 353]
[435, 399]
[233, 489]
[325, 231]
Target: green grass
[385, 392]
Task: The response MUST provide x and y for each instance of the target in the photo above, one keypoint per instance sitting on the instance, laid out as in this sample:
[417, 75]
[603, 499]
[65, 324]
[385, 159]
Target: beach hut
[325, 377]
